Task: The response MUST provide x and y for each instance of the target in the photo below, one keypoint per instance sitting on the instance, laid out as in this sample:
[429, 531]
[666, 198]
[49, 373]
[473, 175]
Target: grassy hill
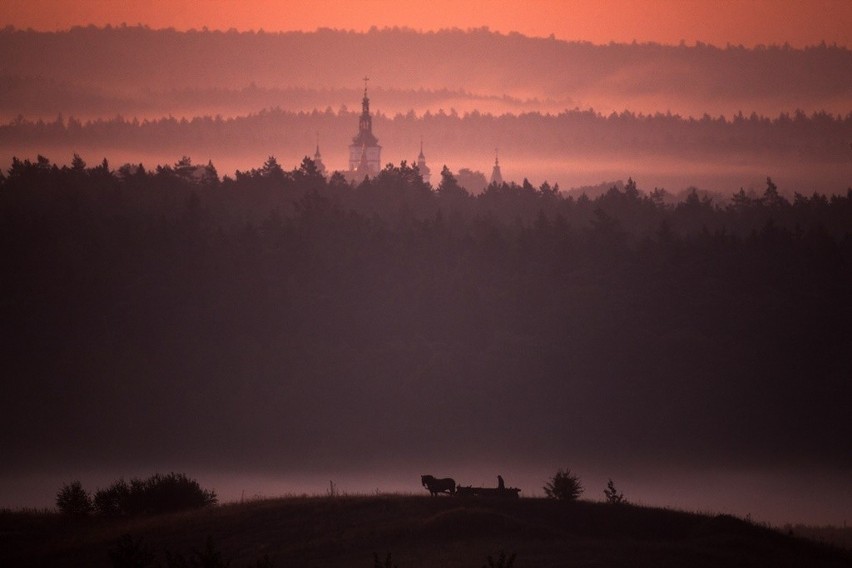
[418, 532]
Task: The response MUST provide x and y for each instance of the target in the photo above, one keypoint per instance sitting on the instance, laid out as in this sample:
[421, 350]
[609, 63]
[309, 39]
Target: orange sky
[747, 22]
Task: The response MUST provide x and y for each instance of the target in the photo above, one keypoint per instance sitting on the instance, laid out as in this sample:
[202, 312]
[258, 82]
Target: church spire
[365, 152]
[365, 102]
[318, 159]
[424, 170]
[496, 176]
[365, 135]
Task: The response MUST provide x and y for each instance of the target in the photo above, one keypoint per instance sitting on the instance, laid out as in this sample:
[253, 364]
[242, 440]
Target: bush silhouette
[114, 500]
[164, 493]
[612, 495]
[157, 494]
[73, 500]
[564, 486]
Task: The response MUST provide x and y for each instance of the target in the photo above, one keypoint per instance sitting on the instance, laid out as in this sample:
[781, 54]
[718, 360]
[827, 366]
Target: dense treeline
[259, 318]
[818, 138]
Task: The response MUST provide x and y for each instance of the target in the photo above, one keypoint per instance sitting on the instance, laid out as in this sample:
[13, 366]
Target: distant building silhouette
[364, 169]
[496, 176]
[425, 172]
[194, 173]
[365, 154]
[318, 160]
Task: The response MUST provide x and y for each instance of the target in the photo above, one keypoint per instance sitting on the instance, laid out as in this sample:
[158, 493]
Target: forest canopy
[277, 307]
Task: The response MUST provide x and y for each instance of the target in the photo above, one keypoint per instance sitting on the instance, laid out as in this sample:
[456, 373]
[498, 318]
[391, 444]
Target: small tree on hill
[114, 500]
[73, 500]
[564, 486]
[612, 495]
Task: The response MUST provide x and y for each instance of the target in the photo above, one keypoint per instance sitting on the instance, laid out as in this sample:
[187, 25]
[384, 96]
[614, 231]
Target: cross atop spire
[365, 84]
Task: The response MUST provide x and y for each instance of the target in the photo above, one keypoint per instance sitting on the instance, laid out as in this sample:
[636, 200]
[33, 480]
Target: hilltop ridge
[420, 531]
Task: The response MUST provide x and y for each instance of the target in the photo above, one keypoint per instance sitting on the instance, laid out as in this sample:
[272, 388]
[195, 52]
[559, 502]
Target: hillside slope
[420, 532]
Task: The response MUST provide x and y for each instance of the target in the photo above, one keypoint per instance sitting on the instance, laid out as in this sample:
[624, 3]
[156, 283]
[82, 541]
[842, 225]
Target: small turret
[318, 159]
[424, 170]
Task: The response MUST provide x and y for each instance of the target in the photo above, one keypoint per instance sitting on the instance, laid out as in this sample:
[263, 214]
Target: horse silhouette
[435, 486]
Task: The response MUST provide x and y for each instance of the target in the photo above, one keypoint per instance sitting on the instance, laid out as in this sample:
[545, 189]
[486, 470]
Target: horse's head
[425, 479]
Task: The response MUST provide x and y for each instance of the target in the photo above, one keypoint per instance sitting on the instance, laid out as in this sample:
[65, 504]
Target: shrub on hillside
[157, 494]
[73, 500]
[114, 500]
[612, 494]
[172, 492]
[564, 486]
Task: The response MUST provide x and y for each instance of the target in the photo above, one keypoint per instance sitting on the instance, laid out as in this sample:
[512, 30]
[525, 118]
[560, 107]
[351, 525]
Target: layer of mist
[573, 148]
[144, 72]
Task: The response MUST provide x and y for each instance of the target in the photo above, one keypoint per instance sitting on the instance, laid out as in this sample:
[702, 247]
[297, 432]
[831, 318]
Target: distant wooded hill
[140, 70]
[820, 137]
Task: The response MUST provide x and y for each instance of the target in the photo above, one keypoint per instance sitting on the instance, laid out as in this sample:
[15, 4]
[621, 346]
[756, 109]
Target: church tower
[365, 146]
[318, 160]
[496, 176]
[424, 170]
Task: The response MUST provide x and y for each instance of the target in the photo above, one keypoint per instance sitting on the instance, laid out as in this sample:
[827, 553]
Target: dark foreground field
[417, 532]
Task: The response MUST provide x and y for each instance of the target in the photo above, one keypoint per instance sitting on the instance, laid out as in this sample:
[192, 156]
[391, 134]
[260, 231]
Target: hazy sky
[747, 22]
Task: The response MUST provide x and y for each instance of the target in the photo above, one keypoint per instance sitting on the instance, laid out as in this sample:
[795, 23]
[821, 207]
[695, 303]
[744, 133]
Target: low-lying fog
[671, 174]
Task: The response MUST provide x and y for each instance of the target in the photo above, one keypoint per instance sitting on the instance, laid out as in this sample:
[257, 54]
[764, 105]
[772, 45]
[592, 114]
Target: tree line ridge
[279, 298]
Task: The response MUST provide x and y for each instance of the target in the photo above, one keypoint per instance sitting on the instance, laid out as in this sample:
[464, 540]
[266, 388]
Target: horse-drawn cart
[499, 492]
[448, 485]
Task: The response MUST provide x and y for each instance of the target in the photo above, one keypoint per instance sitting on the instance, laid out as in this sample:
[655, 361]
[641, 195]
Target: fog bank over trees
[573, 148]
[577, 114]
[140, 71]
